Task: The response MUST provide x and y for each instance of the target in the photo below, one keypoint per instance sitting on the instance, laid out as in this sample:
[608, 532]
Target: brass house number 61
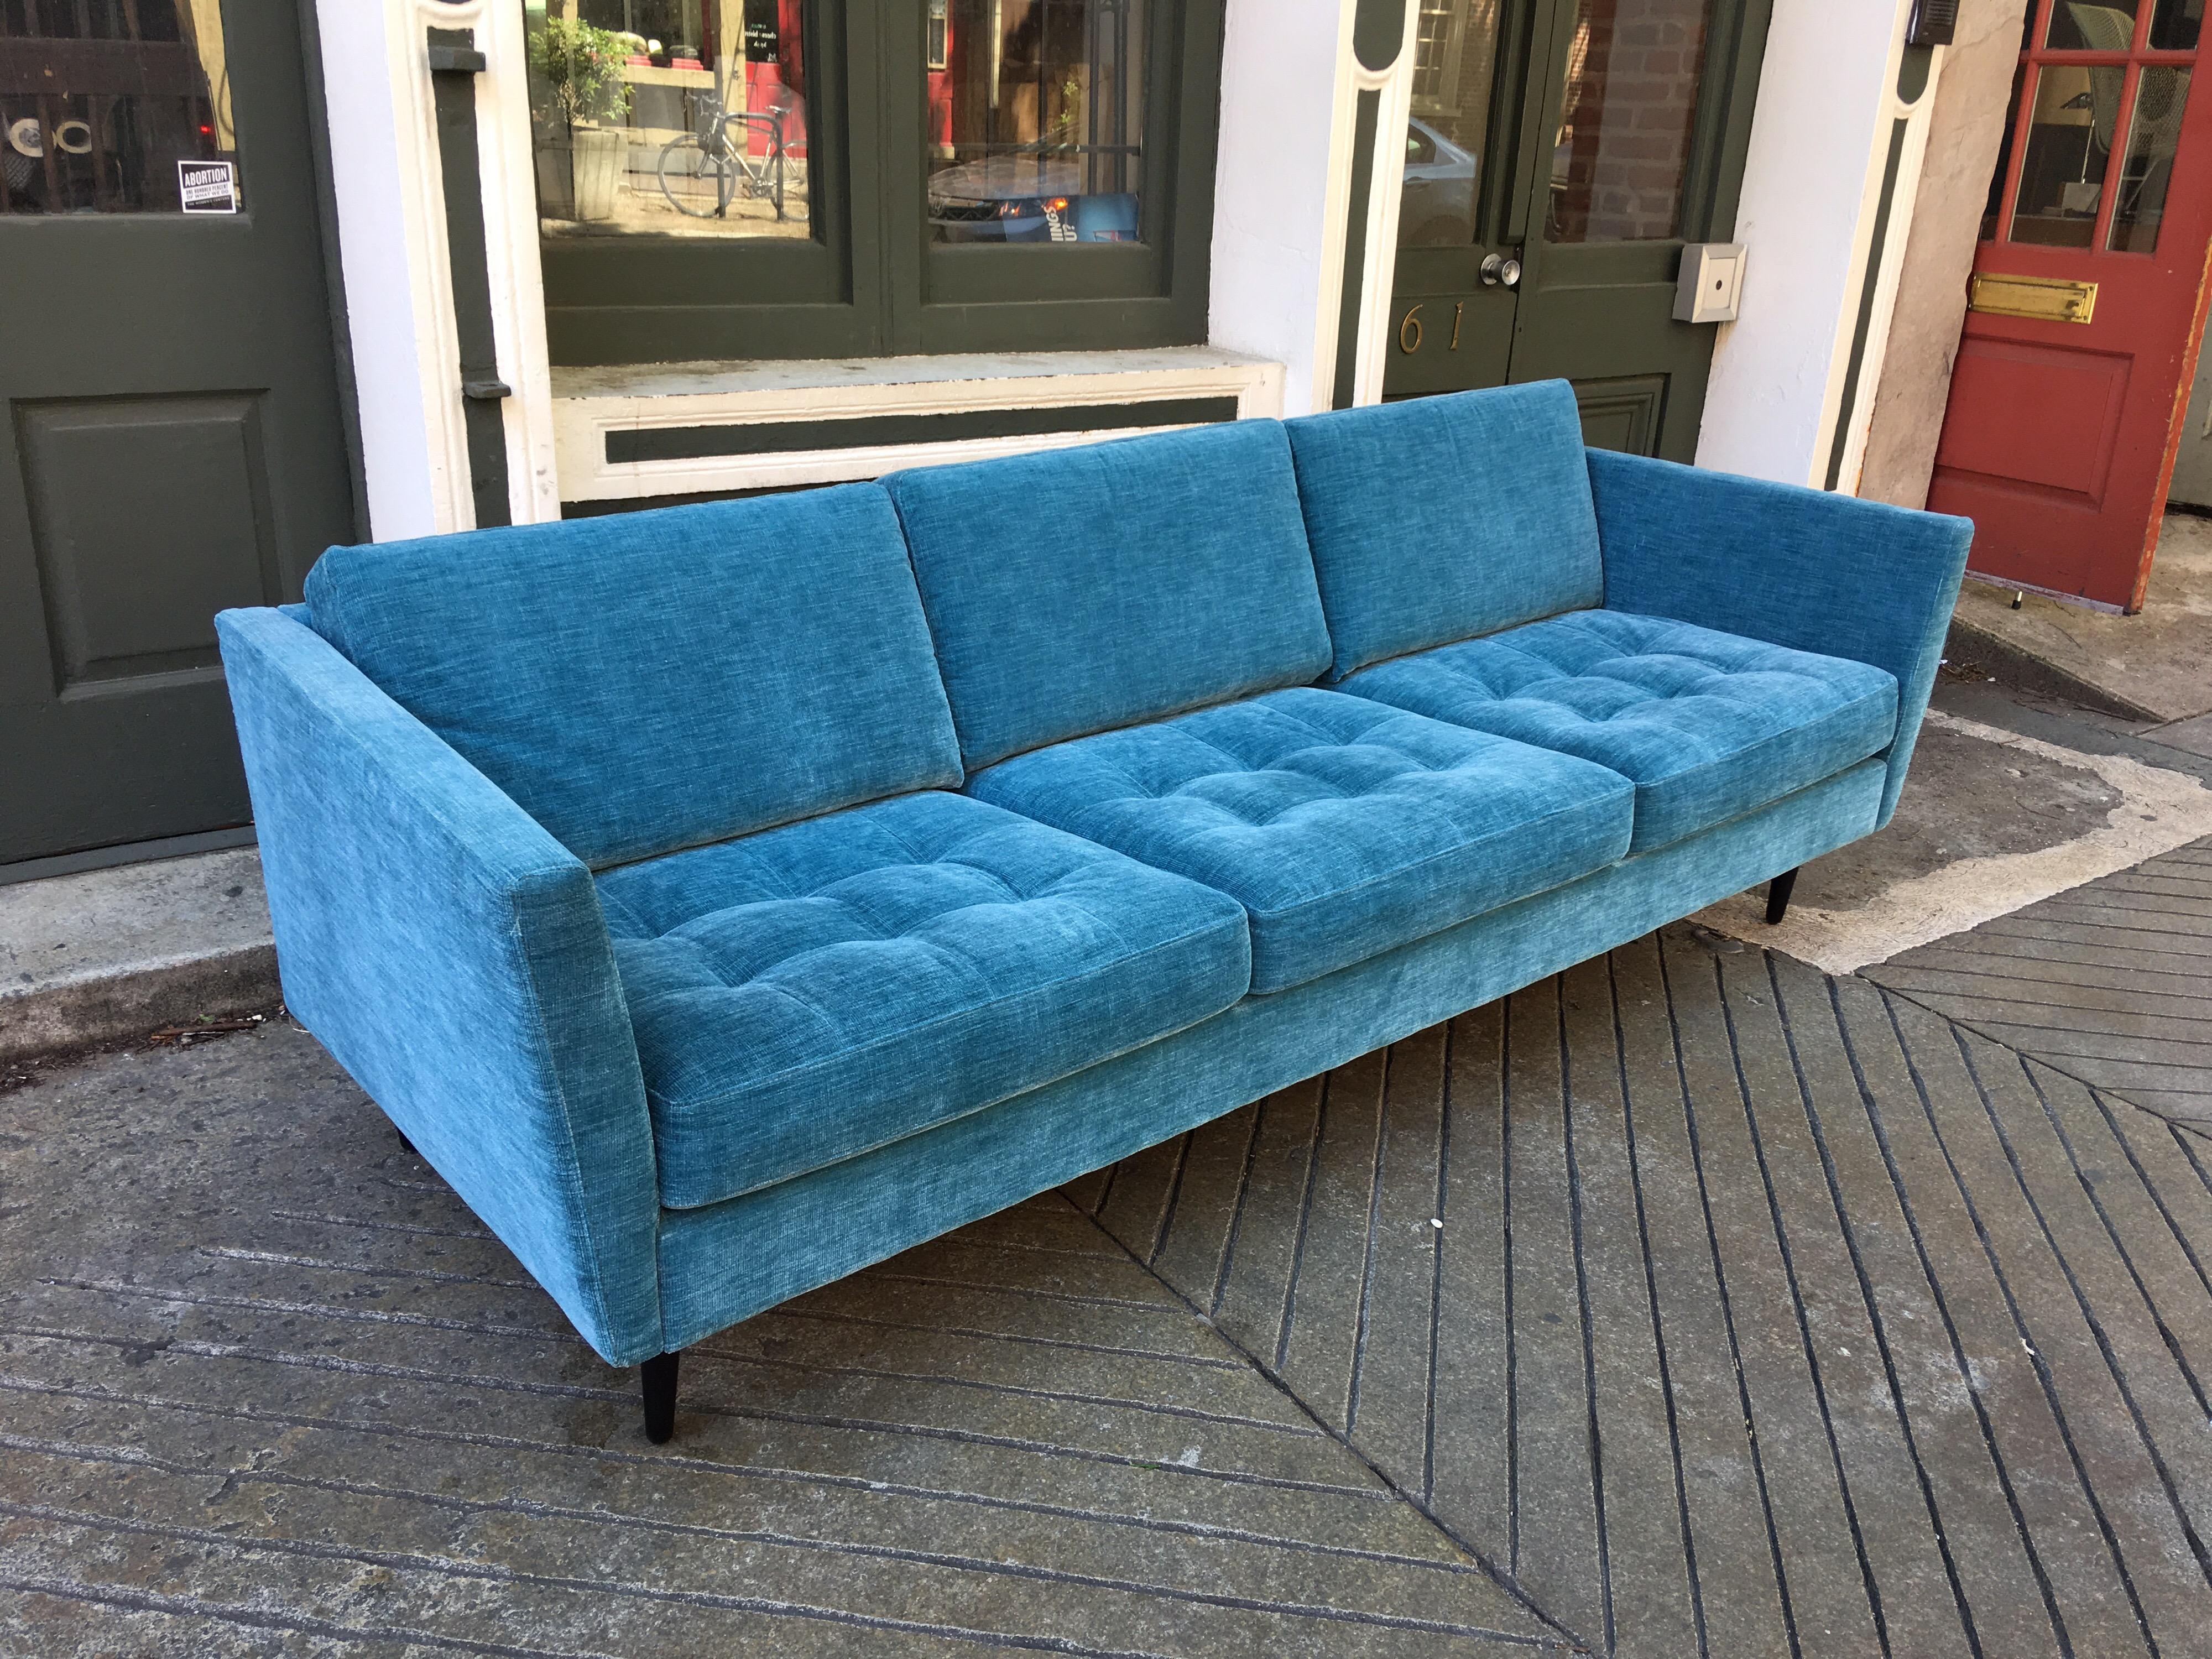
[1409, 329]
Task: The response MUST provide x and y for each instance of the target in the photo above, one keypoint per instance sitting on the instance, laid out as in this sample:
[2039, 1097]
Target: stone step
[106, 954]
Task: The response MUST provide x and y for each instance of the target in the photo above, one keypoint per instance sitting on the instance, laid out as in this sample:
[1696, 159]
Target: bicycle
[709, 153]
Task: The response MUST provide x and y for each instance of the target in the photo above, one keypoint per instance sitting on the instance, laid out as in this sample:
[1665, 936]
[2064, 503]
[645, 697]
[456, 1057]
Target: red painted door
[2087, 302]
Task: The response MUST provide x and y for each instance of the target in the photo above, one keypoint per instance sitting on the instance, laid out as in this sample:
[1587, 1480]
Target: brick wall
[1632, 96]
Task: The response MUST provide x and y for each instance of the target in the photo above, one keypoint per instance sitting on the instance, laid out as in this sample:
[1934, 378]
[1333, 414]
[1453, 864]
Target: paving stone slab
[1772, 1314]
[1689, 1302]
[265, 1384]
[2110, 982]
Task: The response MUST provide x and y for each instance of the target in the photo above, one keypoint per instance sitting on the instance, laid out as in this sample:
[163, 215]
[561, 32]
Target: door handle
[1499, 272]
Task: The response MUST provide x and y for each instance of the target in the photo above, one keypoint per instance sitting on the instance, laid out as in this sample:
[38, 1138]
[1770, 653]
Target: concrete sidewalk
[2155, 668]
[1690, 1302]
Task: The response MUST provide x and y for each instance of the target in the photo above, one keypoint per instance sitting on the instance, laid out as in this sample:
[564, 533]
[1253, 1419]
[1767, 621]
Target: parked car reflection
[1028, 198]
[1438, 208]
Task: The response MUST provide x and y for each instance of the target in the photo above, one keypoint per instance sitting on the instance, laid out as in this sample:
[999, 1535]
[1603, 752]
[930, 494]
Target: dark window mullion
[900, 159]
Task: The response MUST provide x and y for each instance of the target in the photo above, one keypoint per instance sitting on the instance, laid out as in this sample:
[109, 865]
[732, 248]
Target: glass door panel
[1993, 208]
[2175, 24]
[115, 109]
[2070, 140]
[1623, 144]
[1455, 71]
[2078, 26]
[2154, 135]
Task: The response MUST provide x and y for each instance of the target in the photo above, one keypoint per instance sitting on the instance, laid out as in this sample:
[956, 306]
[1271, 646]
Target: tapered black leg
[659, 1376]
[1778, 896]
[405, 1145]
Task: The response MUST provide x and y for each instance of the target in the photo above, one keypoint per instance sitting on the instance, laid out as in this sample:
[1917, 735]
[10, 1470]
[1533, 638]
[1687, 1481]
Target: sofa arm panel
[452, 956]
[1789, 565]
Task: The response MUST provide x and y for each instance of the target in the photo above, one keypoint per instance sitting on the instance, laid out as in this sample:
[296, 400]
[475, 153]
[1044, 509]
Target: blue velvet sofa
[725, 897]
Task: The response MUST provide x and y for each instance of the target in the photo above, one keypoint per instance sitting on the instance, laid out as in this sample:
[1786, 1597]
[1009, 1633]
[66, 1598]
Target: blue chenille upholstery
[1343, 827]
[727, 1262]
[647, 680]
[869, 1012]
[1707, 725]
[1815, 571]
[450, 953]
[806, 994]
[1438, 519]
[1082, 589]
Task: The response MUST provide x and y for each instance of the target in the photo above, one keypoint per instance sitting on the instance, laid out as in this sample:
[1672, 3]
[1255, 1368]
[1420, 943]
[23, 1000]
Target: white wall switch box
[1711, 284]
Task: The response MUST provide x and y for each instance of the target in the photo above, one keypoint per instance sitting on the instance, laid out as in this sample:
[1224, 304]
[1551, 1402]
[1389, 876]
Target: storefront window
[1036, 119]
[670, 118]
[740, 178]
[114, 107]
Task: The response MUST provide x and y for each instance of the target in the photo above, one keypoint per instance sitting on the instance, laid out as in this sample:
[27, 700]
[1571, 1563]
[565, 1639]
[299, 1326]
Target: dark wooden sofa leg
[1778, 896]
[658, 1376]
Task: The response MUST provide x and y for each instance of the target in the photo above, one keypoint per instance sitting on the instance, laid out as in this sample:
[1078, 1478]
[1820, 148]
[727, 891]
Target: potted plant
[581, 68]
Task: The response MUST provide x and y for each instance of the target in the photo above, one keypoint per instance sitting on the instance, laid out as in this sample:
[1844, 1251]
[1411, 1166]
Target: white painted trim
[1281, 182]
[505, 157]
[1818, 138]
[589, 403]
[1858, 421]
[1387, 192]
[1336, 219]
[396, 266]
[394, 273]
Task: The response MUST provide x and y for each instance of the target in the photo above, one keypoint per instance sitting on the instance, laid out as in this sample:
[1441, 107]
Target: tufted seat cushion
[807, 993]
[1710, 726]
[1343, 828]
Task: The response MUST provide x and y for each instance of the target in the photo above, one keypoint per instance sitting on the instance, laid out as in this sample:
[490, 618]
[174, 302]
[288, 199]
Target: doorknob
[1499, 272]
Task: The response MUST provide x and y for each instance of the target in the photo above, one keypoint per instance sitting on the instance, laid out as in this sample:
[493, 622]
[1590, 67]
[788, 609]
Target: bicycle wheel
[695, 178]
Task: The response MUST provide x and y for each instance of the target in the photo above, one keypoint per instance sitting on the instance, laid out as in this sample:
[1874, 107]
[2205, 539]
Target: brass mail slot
[2053, 298]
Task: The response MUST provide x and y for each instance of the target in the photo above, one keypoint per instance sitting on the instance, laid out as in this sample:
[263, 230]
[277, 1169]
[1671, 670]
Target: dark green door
[174, 443]
[1560, 154]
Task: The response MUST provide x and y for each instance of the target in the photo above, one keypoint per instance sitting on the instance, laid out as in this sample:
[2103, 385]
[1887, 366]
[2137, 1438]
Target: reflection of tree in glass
[582, 66]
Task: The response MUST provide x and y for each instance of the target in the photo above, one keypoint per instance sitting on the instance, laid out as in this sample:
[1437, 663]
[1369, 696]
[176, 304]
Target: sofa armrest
[452, 956]
[1791, 565]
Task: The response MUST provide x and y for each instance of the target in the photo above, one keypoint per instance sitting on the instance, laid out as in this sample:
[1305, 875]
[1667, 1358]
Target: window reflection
[1993, 208]
[670, 118]
[2154, 131]
[2077, 26]
[1036, 121]
[2069, 141]
[109, 107]
[2175, 24]
[1455, 62]
[1624, 139]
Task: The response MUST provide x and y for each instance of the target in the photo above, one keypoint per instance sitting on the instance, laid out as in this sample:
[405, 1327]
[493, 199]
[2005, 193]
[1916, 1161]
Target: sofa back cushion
[1079, 590]
[648, 680]
[1440, 519]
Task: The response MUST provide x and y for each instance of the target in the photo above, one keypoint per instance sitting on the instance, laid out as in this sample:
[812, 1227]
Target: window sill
[699, 428]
